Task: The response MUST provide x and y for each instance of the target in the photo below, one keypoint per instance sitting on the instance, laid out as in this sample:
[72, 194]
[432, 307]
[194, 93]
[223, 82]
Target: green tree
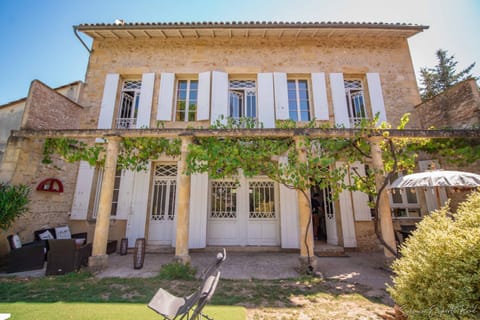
[444, 75]
[13, 203]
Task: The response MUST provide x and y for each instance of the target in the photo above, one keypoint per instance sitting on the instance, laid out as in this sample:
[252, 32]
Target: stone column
[183, 210]
[384, 212]
[305, 216]
[99, 258]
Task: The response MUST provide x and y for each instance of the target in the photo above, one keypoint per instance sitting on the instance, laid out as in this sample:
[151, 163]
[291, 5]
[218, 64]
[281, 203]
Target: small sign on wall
[50, 185]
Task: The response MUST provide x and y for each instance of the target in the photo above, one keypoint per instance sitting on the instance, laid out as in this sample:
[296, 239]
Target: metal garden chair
[189, 307]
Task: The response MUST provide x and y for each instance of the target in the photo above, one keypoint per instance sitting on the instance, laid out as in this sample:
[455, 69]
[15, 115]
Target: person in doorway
[316, 210]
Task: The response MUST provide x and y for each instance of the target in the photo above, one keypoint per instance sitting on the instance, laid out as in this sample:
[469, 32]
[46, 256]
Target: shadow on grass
[82, 290]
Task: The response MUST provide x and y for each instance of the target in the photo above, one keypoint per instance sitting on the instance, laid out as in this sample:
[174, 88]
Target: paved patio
[355, 268]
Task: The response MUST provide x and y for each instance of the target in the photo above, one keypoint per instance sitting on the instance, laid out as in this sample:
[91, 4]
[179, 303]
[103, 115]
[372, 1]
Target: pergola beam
[250, 133]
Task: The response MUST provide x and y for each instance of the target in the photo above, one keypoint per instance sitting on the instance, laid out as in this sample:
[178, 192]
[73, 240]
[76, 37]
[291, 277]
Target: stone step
[323, 249]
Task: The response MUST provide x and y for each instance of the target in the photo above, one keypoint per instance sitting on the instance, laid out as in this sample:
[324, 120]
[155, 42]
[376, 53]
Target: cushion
[46, 235]
[63, 232]
[16, 241]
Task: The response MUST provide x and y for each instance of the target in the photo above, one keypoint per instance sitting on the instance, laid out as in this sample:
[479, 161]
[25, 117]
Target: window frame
[297, 100]
[131, 121]
[97, 188]
[233, 193]
[188, 90]
[355, 120]
[169, 203]
[245, 105]
[405, 204]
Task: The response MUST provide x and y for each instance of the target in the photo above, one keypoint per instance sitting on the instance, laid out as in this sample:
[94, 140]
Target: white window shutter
[281, 95]
[289, 219]
[145, 104]
[319, 91]
[108, 101]
[266, 101]
[360, 199]
[376, 96]
[83, 187]
[165, 96]
[340, 108]
[346, 214]
[138, 214]
[203, 100]
[125, 194]
[219, 95]
[198, 211]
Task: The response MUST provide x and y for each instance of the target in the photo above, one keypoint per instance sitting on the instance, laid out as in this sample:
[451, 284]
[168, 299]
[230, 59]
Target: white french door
[244, 213]
[163, 208]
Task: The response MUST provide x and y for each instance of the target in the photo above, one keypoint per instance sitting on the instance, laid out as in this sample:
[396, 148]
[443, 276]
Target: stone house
[190, 75]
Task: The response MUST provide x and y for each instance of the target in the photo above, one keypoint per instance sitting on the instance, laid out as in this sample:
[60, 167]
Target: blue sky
[38, 40]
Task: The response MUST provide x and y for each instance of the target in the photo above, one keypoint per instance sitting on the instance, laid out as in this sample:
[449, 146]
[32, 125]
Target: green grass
[103, 311]
[82, 296]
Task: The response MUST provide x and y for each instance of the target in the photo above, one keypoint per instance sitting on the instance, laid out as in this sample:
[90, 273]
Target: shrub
[13, 203]
[177, 271]
[438, 275]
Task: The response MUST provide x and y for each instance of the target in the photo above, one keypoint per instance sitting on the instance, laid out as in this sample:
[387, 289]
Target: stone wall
[389, 56]
[46, 209]
[47, 109]
[458, 108]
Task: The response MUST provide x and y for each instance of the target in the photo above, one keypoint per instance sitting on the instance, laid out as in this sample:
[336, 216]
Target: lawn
[82, 296]
[104, 311]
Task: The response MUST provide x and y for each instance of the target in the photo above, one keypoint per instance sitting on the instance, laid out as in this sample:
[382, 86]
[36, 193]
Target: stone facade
[390, 57]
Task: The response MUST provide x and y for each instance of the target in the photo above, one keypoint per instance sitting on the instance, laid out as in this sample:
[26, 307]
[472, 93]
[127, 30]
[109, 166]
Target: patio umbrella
[436, 179]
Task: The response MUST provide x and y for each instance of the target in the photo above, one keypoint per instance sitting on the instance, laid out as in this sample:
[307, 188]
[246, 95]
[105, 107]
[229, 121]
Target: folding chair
[172, 307]
[206, 296]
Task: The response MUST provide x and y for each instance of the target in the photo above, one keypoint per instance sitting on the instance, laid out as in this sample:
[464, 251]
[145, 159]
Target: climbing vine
[134, 154]
[326, 162]
[72, 150]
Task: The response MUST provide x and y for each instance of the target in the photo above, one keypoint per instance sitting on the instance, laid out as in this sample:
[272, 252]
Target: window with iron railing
[223, 199]
[261, 196]
[243, 99]
[129, 102]
[355, 101]
[164, 192]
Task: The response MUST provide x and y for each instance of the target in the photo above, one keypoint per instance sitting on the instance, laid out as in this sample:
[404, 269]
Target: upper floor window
[242, 99]
[129, 101]
[298, 100]
[355, 101]
[186, 105]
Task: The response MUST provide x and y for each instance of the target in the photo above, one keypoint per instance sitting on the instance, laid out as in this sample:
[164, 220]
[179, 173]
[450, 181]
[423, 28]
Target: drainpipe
[75, 31]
